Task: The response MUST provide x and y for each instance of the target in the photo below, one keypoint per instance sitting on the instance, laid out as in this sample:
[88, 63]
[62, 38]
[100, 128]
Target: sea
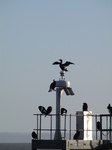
[16, 141]
[15, 146]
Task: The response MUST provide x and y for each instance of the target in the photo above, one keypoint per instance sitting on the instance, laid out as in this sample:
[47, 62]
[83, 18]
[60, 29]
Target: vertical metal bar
[65, 128]
[37, 126]
[96, 125]
[101, 127]
[110, 128]
[107, 125]
[40, 127]
[70, 128]
[51, 128]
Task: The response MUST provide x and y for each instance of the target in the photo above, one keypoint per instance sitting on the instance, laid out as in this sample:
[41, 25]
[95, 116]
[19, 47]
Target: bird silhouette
[63, 111]
[34, 135]
[85, 107]
[76, 136]
[109, 107]
[63, 66]
[98, 125]
[42, 110]
[48, 111]
[52, 86]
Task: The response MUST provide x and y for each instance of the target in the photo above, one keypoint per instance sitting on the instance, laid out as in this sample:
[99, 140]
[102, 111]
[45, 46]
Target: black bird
[109, 107]
[52, 86]
[85, 107]
[42, 110]
[49, 109]
[76, 136]
[34, 135]
[63, 66]
[98, 125]
[63, 111]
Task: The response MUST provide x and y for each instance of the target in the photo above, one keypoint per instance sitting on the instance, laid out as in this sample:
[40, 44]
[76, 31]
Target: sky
[34, 34]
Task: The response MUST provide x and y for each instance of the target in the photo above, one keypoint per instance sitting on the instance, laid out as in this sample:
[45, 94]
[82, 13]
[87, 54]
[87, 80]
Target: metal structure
[60, 135]
[101, 138]
[61, 86]
[68, 126]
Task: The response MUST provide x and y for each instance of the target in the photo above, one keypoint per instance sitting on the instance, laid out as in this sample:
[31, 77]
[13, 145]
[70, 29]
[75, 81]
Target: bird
[109, 107]
[34, 135]
[48, 111]
[52, 86]
[76, 136]
[63, 111]
[85, 107]
[42, 110]
[98, 125]
[63, 66]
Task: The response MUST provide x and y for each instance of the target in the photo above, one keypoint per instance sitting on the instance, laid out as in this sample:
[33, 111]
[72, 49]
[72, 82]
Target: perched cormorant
[76, 136]
[49, 109]
[63, 66]
[52, 86]
[85, 107]
[109, 107]
[63, 111]
[42, 109]
[34, 135]
[98, 125]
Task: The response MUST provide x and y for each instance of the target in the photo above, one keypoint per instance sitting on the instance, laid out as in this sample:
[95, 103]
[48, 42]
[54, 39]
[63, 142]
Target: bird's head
[60, 60]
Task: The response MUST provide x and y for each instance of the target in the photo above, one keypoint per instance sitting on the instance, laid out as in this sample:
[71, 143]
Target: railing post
[70, 128]
[96, 125]
[65, 128]
[107, 125]
[101, 127]
[51, 128]
[37, 125]
[40, 128]
[110, 133]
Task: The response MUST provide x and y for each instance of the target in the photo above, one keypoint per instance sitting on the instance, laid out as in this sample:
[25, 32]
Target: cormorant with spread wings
[63, 66]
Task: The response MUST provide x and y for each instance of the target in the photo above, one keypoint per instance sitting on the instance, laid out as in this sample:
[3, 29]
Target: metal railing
[46, 126]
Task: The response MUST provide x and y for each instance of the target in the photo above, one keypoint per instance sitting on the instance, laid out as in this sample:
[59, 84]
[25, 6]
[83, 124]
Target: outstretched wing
[42, 109]
[67, 63]
[49, 109]
[56, 63]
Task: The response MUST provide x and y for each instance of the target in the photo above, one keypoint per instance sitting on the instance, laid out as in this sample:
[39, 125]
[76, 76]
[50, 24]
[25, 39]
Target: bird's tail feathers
[50, 90]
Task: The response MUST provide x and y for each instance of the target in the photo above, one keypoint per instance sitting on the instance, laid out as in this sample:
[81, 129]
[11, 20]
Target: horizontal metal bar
[104, 115]
[70, 130]
[106, 130]
[70, 115]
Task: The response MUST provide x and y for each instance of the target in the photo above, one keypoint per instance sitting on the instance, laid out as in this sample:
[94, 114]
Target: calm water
[15, 146]
[16, 141]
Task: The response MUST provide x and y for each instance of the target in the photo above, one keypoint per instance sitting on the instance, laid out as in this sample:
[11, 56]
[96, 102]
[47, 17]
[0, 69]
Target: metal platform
[69, 124]
[71, 144]
[57, 131]
[102, 138]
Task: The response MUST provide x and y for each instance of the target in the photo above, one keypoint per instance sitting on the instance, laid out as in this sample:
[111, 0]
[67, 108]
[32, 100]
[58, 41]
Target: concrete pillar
[84, 124]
